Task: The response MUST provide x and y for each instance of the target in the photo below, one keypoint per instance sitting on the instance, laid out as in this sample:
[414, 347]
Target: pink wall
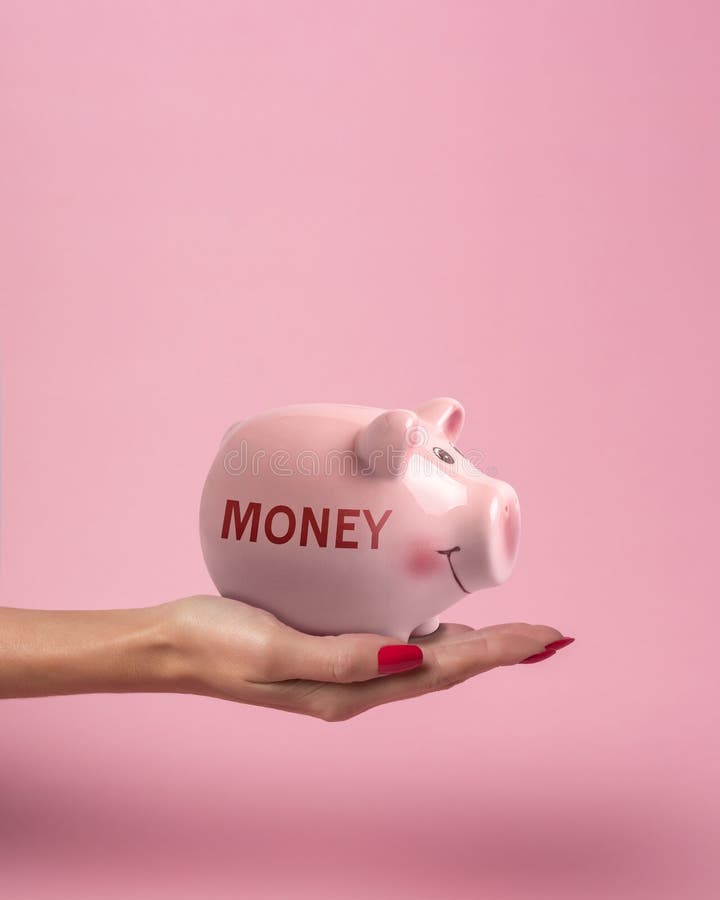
[211, 208]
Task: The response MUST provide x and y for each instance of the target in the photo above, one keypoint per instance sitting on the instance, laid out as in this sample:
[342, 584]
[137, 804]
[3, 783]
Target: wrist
[150, 655]
[164, 644]
[126, 651]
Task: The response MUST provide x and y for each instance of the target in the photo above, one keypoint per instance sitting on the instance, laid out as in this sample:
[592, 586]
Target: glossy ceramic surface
[340, 518]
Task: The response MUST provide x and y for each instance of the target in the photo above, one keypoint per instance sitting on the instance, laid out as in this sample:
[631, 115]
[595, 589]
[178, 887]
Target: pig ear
[445, 414]
[385, 445]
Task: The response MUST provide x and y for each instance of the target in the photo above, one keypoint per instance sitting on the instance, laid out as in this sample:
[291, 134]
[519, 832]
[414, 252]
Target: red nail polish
[398, 658]
[559, 644]
[538, 657]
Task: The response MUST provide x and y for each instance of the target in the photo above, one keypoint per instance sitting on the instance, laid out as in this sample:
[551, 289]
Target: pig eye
[443, 455]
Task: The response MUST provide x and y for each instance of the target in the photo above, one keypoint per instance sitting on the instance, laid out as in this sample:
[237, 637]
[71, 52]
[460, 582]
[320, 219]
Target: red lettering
[343, 526]
[236, 520]
[232, 511]
[282, 539]
[309, 521]
[376, 526]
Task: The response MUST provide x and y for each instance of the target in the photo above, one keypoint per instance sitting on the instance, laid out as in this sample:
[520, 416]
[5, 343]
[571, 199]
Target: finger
[445, 665]
[340, 658]
[544, 632]
[452, 632]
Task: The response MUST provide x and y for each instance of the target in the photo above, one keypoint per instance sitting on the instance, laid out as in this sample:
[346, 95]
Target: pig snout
[488, 538]
[508, 537]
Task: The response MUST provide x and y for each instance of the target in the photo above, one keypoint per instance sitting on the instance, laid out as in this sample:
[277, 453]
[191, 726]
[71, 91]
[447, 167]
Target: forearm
[46, 652]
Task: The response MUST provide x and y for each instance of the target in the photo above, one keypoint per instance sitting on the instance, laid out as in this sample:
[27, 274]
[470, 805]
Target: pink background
[212, 208]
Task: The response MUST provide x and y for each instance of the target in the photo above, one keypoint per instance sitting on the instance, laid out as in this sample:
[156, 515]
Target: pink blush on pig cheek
[422, 561]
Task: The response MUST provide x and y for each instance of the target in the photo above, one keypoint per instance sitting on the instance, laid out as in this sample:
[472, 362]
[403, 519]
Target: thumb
[344, 658]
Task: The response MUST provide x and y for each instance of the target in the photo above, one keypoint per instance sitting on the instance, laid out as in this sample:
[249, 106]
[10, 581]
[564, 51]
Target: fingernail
[539, 657]
[559, 644]
[399, 658]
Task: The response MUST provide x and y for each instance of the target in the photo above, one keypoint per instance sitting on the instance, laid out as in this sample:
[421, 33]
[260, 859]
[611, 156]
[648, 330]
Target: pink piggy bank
[340, 518]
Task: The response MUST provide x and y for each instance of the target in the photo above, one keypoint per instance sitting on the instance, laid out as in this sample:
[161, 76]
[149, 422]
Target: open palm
[235, 651]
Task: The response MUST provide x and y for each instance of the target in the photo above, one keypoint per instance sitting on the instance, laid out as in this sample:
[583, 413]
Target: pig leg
[426, 627]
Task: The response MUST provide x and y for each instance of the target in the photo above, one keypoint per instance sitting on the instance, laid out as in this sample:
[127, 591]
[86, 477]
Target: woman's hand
[228, 649]
[231, 650]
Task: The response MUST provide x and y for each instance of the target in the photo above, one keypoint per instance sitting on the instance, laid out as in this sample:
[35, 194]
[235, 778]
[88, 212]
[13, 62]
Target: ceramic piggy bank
[340, 518]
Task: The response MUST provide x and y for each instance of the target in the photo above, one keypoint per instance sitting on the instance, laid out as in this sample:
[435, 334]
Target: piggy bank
[340, 518]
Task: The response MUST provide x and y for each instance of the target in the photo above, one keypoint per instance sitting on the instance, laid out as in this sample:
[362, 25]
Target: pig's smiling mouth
[449, 553]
